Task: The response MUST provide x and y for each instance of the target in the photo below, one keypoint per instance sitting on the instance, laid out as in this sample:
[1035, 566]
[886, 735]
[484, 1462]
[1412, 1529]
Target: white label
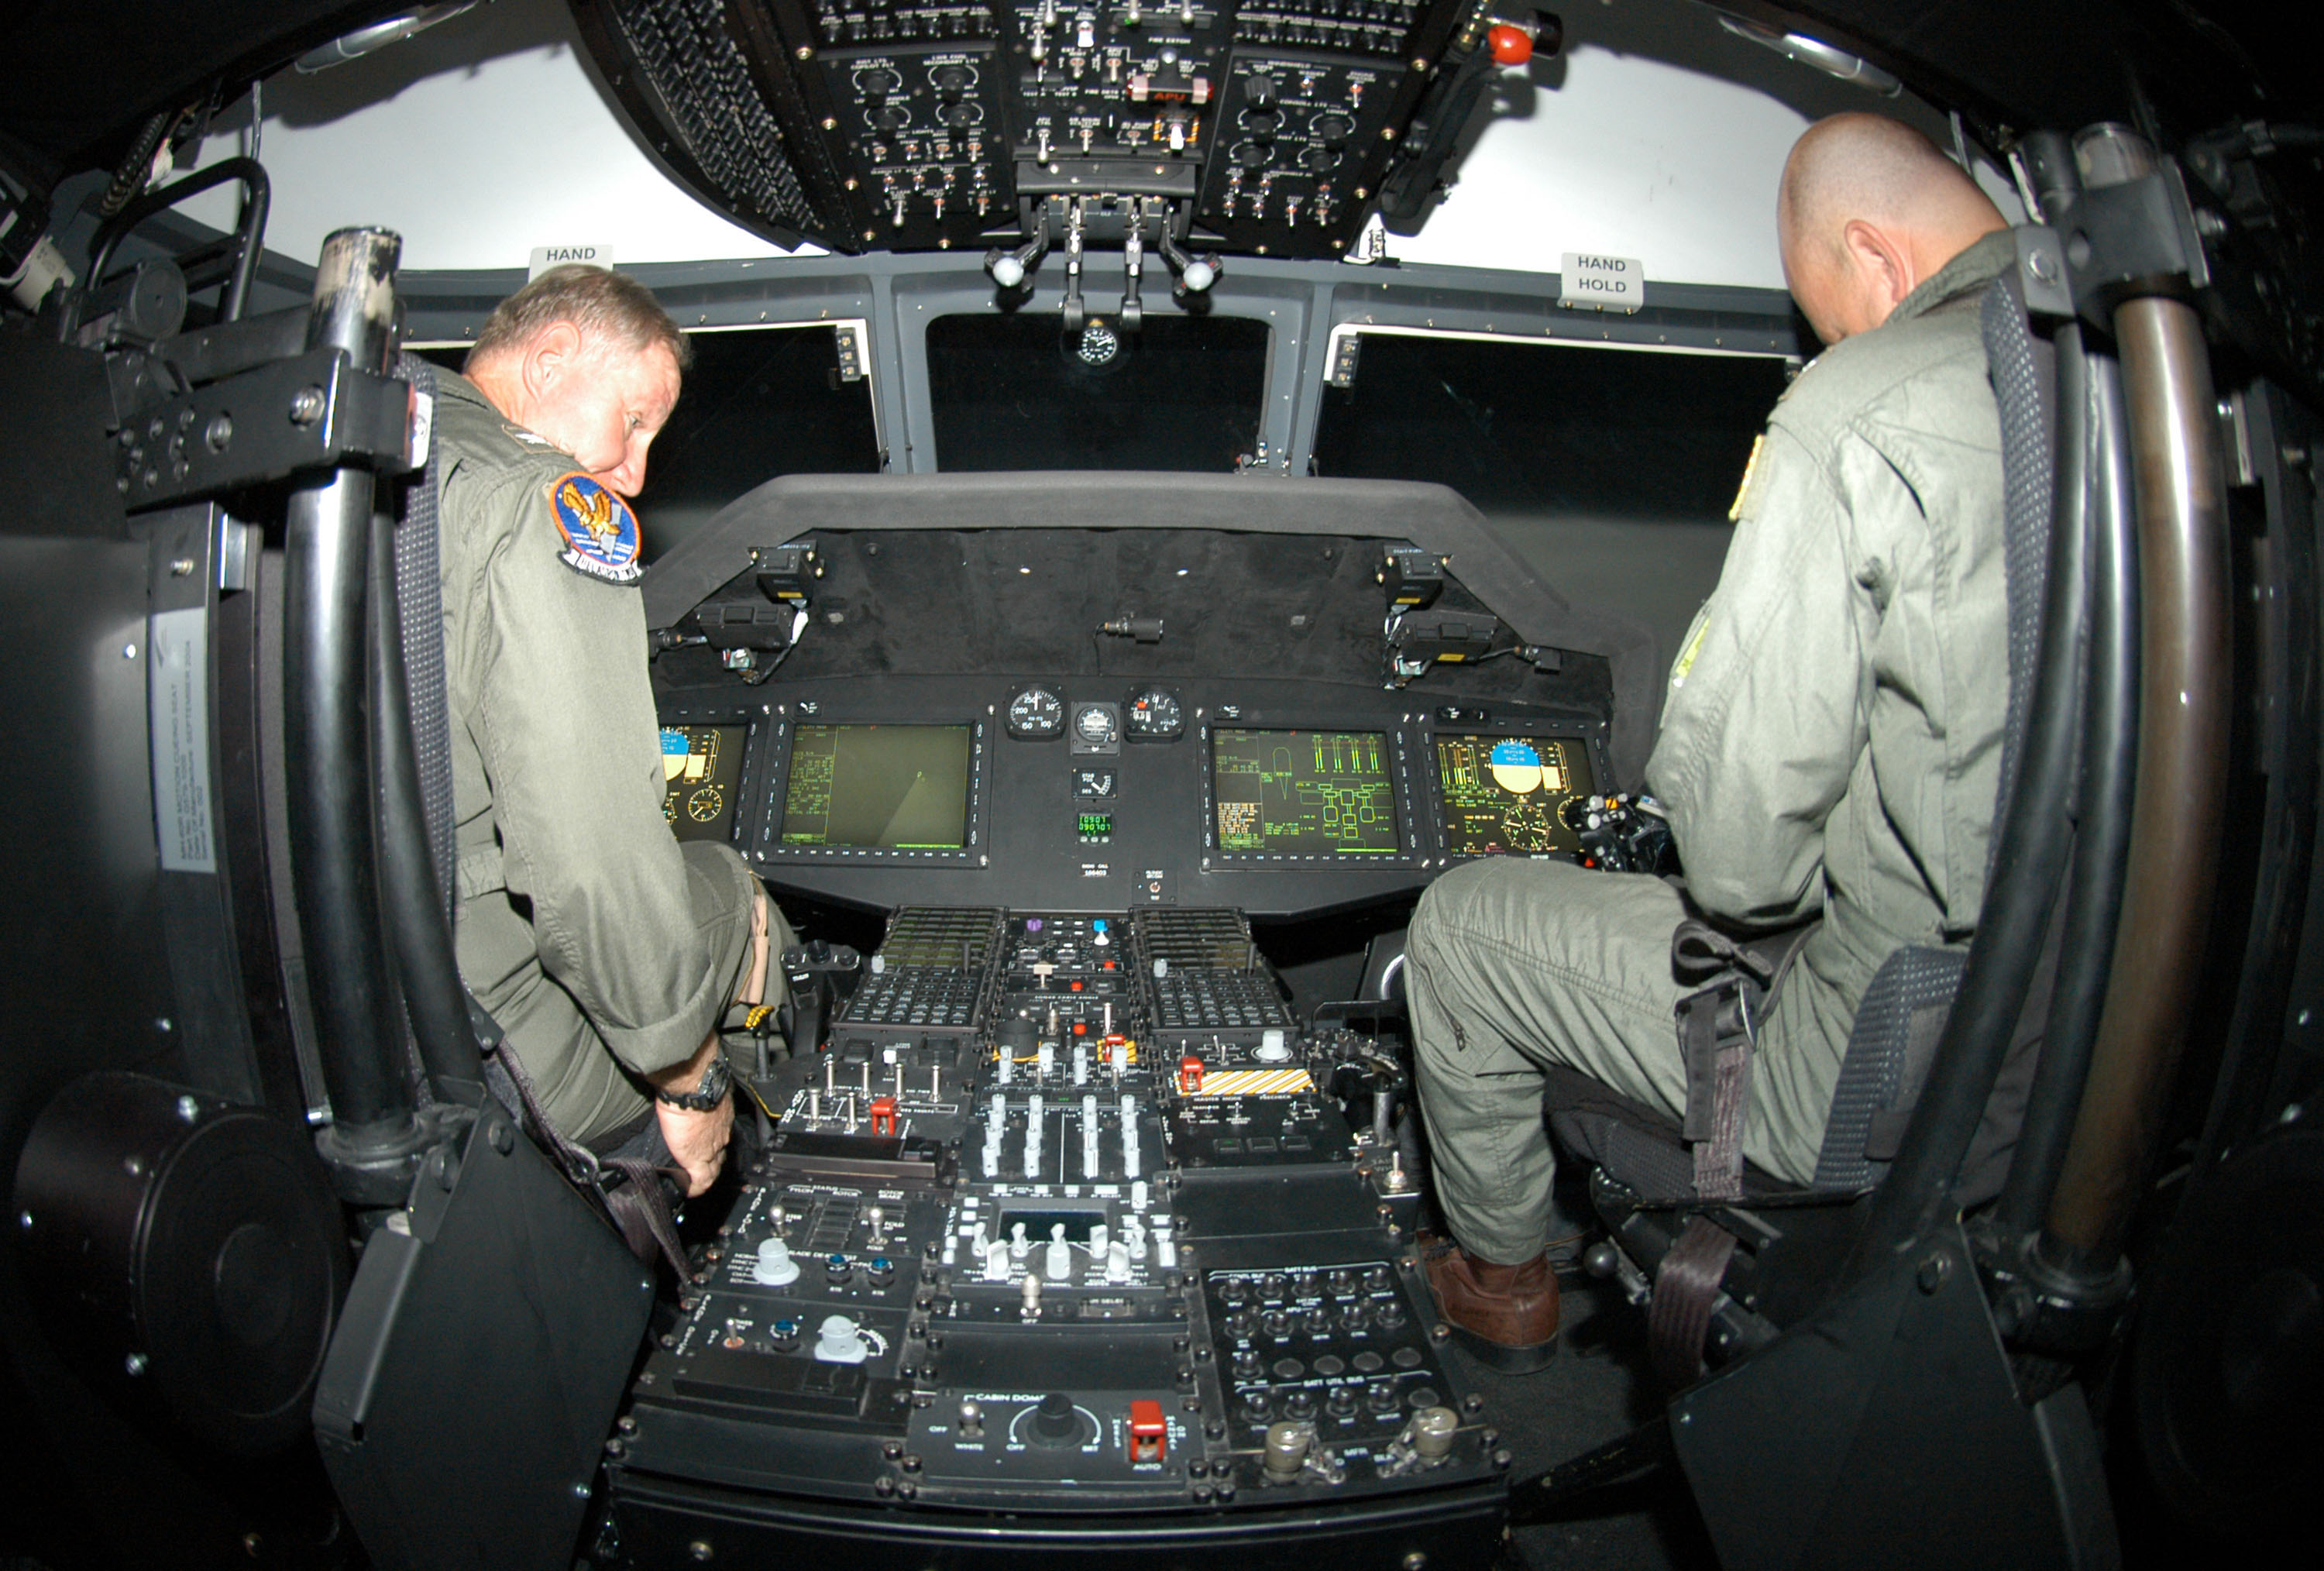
[545, 257]
[178, 707]
[1603, 283]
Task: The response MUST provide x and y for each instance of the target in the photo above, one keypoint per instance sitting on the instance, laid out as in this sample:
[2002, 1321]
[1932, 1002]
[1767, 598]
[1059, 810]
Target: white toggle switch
[1133, 1234]
[774, 1268]
[1117, 1263]
[1046, 1058]
[1272, 1048]
[1080, 1063]
[996, 1261]
[1100, 1235]
[1139, 1194]
[1059, 1265]
[991, 1158]
[1019, 1245]
[1165, 1249]
[1008, 1066]
[839, 1341]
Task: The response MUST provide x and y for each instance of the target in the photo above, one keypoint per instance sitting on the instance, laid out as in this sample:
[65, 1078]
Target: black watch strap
[716, 1081]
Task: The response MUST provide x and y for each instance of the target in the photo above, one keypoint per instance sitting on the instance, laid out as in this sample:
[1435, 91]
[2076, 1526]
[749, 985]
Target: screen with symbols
[702, 774]
[1304, 793]
[1507, 794]
[901, 787]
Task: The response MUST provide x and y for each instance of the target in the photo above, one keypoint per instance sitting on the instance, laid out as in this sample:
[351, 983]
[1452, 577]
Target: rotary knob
[1259, 92]
[1054, 1421]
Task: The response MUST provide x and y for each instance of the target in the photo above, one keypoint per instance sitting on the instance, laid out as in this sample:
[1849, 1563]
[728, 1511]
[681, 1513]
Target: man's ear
[549, 357]
[1884, 272]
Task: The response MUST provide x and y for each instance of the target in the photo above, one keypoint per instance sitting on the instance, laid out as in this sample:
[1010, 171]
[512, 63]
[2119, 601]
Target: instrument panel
[1275, 797]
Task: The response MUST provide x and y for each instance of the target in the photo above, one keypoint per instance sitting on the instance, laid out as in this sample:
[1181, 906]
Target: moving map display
[702, 774]
[1503, 794]
[878, 787]
[1308, 792]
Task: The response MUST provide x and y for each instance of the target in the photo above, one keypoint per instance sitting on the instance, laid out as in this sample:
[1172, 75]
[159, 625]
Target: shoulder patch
[601, 532]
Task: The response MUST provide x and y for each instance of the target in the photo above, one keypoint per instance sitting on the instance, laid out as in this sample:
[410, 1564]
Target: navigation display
[702, 774]
[1503, 793]
[878, 787]
[1304, 793]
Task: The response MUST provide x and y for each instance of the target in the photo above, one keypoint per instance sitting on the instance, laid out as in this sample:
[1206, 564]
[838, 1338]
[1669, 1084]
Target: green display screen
[878, 787]
[1505, 794]
[1096, 826]
[702, 775]
[1304, 793]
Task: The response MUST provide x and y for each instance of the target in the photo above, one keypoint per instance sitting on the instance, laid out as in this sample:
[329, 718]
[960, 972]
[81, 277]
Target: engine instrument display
[1304, 793]
[1035, 715]
[1155, 715]
[702, 776]
[884, 787]
[1505, 794]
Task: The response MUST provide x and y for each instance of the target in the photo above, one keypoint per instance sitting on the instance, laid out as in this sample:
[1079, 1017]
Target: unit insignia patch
[601, 532]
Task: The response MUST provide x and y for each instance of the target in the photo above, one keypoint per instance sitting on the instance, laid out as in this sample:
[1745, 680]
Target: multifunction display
[881, 787]
[1304, 793]
[1506, 793]
[702, 776]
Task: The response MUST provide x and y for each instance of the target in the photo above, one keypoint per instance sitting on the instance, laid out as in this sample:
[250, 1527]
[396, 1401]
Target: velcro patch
[601, 532]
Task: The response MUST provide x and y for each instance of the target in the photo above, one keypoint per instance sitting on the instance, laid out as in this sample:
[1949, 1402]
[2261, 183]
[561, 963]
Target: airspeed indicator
[1035, 714]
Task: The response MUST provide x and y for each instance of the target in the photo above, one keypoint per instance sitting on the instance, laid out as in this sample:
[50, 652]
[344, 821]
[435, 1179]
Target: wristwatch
[716, 1081]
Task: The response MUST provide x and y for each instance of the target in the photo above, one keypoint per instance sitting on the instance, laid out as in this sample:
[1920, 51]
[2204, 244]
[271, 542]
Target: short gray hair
[594, 300]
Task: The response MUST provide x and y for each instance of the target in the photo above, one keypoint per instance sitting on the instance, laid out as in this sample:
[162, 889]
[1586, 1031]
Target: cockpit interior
[1157, 486]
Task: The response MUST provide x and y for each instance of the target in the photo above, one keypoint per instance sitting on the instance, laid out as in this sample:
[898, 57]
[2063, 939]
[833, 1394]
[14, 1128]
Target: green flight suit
[1831, 742]
[604, 947]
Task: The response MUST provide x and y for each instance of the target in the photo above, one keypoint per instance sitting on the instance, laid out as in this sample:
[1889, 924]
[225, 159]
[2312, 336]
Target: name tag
[1601, 283]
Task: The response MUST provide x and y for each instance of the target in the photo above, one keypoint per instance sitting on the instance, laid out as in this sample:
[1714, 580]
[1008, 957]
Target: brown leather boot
[1507, 1315]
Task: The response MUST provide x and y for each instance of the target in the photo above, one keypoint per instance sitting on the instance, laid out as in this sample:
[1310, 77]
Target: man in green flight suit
[1830, 740]
[608, 952]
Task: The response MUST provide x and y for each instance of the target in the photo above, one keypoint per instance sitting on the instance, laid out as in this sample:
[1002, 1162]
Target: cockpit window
[1611, 470]
[760, 402]
[1018, 392]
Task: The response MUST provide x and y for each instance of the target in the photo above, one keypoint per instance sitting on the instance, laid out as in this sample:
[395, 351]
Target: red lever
[1511, 46]
[1190, 1074]
[883, 1116]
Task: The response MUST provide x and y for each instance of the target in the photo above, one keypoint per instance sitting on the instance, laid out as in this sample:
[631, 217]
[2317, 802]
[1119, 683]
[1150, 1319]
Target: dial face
[1154, 715]
[1036, 712]
[1096, 722]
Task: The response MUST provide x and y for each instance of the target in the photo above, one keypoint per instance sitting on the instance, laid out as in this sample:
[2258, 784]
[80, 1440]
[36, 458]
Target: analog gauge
[1096, 724]
[1154, 716]
[1036, 713]
[704, 804]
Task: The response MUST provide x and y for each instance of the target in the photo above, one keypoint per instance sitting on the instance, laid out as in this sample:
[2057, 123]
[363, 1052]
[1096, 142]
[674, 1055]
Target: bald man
[1831, 742]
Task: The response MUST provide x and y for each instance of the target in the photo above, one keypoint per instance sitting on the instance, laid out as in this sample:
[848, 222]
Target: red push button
[1149, 1436]
[1511, 46]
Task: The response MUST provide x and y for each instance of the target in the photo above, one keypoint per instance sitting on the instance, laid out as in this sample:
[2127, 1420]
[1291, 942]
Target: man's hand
[697, 1139]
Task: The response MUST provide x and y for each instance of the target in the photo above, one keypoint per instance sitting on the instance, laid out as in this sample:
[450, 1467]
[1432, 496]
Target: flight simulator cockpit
[1157, 486]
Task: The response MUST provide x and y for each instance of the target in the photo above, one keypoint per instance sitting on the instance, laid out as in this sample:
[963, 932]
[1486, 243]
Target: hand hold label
[1600, 283]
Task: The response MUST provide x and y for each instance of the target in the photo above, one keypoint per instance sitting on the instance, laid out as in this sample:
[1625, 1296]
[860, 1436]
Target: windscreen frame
[767, 846]
[1403, 798]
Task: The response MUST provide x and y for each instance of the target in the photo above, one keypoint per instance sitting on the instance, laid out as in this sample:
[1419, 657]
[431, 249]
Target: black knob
[1261, 123]
[1274, 1285]
[1343, 1401]
[1055, 1420]
[952, 81]
[1334, 129]
[1391, 1314]
[1259, 92]
[879, 84]
[959, 116]
[1249, 156]
[1319, 158]
[1300, 1404]
[1382, 1399]
[893, 117]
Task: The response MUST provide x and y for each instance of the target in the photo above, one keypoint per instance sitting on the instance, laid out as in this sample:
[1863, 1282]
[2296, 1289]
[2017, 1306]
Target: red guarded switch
[1149, 1436]
[1511, 46]
[1190, 1074]
[883, 1116]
